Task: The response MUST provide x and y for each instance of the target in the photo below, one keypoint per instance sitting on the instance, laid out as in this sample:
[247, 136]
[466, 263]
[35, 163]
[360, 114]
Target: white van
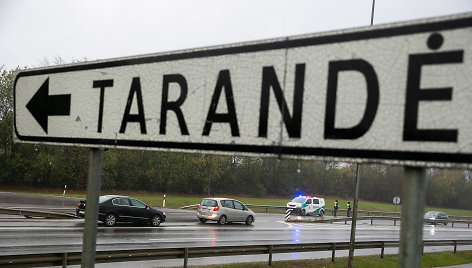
[305, 205]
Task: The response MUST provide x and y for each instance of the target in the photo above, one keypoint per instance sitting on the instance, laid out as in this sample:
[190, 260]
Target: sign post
[91, 208]
[411, 232]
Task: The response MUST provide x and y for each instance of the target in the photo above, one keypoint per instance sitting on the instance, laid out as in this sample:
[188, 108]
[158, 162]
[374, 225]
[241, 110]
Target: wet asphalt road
[19, 235]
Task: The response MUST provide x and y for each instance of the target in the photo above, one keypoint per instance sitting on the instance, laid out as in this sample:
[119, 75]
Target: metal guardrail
[396, 216]
[189, 206]
[35, 213]
[372, 218]
[346, 219]
[460, 217]
[74, 258]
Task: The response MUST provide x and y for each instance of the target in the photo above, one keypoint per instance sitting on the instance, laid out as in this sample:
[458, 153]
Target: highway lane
[19, 235]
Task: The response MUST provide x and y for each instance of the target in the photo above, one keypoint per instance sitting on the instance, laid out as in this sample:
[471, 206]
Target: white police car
[305, 205]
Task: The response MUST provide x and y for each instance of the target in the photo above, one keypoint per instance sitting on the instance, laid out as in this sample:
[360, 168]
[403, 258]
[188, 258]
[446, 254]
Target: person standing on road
[336, 207]
[349, 209]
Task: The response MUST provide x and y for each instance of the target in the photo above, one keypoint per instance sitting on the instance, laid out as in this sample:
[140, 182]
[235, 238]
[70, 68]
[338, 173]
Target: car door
[228, 207]
[316, 204]
[138, 210]
[240, 213]
[309, 205]
[121, 208]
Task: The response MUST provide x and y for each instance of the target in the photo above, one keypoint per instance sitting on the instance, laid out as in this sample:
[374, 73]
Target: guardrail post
[271, 248]
[455, 246]
[371, 221]
[333, 253]
[64, 259]
[185, 257]
[383, 249]
[452, 223]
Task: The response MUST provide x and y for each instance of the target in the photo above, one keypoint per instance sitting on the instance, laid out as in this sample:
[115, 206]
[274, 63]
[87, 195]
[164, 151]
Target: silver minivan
[224, 210]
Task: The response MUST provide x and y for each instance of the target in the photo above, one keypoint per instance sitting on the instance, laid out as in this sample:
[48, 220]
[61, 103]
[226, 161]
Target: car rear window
[209, 203]
[121, 201]
[104, 198]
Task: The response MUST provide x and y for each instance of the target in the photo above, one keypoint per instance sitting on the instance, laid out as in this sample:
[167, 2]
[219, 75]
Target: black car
[117, 208]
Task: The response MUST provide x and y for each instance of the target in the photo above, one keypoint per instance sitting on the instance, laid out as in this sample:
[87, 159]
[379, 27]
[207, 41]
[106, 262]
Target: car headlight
[164, 213]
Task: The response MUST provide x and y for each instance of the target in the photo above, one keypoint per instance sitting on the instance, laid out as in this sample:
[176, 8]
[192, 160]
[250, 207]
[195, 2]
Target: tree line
[46, 166]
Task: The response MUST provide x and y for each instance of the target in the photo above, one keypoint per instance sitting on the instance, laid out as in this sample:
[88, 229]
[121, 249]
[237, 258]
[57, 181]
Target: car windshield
[430, 214]
[299, 200]
[104, 198]
[209, 203]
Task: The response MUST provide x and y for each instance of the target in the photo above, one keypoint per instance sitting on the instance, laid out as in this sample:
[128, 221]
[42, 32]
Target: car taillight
[216, 208]
[78, 204]
[198, 206]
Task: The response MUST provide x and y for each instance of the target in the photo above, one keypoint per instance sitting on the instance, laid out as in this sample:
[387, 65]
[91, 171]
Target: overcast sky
[31, 31]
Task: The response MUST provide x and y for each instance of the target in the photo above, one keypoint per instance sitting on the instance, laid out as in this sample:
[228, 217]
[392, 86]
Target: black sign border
[362, 34]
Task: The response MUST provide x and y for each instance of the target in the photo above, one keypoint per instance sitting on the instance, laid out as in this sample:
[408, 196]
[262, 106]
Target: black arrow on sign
[42, 105]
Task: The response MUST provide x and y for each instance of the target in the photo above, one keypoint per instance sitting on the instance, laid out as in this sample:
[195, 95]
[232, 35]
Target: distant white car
[437, 215]
[305, 205]
[224, 210]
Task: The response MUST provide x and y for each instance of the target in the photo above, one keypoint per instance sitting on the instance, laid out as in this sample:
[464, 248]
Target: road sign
[396, 93]
[396, 200]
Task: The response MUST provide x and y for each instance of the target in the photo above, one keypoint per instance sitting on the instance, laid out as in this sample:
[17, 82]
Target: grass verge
[179, 200]
[389, 261]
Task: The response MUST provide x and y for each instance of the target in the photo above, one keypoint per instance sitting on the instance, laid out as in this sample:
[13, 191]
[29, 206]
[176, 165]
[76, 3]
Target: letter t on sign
[102, 84]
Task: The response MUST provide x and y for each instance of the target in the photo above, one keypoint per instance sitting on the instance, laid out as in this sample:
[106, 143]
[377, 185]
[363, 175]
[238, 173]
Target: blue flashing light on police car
[305, 205]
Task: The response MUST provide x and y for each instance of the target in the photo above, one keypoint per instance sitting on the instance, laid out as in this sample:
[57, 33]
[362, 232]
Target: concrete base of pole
[411, 234]
[91, 208]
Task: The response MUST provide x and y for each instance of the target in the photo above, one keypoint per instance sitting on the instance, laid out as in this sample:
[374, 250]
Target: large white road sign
[399, 93]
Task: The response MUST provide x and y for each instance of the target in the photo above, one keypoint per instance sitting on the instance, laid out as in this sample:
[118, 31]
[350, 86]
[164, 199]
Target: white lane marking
[40, 228]
[184, 239]
[289, 225]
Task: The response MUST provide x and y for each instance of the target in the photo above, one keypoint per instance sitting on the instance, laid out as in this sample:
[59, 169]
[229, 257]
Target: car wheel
[303, 212]
[321, 213]
[222, 220]
[202, 220]
[155, 220]
[249, 220]
[110, 219]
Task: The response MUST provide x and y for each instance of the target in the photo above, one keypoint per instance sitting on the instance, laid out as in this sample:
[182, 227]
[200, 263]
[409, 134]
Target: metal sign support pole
[91, 208]
[411, 233]
[354, 219]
